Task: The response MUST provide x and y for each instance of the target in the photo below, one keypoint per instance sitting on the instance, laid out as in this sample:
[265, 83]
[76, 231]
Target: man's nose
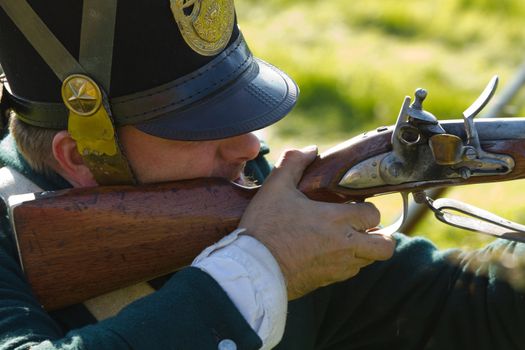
[240, 148]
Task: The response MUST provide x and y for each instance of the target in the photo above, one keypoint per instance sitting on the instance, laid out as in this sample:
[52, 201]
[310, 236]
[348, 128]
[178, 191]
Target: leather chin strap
[40, 37]
[96, 39]
[92, 127]
[3, 104]
[96, 45]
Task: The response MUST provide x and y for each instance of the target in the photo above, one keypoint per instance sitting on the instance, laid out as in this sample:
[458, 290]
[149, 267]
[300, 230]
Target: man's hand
[315, 243]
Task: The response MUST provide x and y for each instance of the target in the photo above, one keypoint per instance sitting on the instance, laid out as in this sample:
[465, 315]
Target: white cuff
[251, 277]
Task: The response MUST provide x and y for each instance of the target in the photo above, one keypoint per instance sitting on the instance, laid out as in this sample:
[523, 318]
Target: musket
[79, 243]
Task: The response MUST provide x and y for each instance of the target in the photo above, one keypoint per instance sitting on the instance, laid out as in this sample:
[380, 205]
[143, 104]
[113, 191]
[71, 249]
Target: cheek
[157, 160]
[172, 163]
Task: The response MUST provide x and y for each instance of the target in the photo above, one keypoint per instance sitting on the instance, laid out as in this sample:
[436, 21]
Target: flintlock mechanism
[423, 151]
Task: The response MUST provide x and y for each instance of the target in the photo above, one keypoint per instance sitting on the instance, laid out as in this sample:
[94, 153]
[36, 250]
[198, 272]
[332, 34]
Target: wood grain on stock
[321, 179]
[81, 243]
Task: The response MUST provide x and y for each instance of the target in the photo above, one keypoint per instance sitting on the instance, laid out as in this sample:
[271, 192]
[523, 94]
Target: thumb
[292, 163]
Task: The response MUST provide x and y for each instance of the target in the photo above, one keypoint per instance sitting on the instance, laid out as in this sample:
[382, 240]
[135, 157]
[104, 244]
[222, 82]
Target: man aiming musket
[100, 92]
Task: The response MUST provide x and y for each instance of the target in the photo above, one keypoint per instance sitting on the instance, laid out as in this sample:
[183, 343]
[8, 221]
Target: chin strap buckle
[466, 216]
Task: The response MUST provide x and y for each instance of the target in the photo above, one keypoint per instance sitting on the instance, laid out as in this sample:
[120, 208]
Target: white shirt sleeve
[251, 277]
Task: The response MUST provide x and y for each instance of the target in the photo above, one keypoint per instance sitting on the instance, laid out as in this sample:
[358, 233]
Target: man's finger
[359, 216]
[372, 246]
[291, 165]
[365, 216]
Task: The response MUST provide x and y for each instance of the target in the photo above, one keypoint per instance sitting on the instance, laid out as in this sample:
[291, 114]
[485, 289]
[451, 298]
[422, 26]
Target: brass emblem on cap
[81, 95]
[205, 25]
[90, 124]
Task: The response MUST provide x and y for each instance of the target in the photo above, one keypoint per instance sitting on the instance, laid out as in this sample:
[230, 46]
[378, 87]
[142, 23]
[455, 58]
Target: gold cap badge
[81, 95]
[205, 25]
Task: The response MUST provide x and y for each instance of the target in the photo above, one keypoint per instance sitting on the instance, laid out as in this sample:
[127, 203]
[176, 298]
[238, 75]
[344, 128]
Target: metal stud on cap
[81, 95]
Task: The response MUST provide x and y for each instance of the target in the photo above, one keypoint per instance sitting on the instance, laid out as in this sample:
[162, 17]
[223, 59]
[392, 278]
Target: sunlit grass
[356, 60]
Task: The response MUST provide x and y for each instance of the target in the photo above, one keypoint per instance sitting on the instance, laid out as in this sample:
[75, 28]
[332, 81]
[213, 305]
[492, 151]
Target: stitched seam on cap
[189, 97]
[261, 95]
[185, 80]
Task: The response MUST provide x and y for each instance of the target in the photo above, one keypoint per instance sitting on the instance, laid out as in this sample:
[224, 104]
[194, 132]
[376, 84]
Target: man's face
[154, 159]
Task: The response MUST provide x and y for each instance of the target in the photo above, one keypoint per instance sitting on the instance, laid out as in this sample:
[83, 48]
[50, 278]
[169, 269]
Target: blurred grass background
[355, 61]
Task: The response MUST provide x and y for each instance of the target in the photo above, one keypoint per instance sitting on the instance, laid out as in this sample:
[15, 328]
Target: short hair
[34, 143]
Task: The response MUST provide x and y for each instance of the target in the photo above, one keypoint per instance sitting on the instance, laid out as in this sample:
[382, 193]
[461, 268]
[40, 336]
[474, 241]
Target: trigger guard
[391, 229]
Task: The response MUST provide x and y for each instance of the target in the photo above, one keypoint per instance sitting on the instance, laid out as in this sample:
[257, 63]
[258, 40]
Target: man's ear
[70, 164]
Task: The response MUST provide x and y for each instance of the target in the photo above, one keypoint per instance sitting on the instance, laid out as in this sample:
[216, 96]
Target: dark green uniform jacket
[420, 299]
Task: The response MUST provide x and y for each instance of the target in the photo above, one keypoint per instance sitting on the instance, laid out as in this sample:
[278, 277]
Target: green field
[355, 61]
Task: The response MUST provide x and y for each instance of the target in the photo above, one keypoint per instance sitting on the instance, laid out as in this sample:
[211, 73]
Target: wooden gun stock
[80, 243]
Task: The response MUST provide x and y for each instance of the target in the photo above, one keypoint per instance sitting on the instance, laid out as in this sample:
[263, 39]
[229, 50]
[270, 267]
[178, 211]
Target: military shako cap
[176, 69]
